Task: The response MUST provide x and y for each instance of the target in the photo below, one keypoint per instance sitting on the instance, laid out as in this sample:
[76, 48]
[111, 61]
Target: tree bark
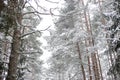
[99, 64]
[13, 61]
[16, 41]
[80, 57]
[98, 69]
[90, 72]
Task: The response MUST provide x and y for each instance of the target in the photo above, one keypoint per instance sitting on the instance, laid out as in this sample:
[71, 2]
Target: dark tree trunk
[13, 61]
[15, 46]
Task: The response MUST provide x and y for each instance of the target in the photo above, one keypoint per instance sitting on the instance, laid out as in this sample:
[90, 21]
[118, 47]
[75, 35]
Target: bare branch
[39, 13]
[39, 5]
[33, 12]
[34, 32]
[30, 33]
[30, 52]
[45, 29]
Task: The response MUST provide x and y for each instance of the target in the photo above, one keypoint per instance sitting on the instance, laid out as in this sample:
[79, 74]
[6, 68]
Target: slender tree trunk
[86, 44]
[97, 67]
[88, 30]
[80, 57]
[97, 61]
[93, 64]
[89, 61]
[90, 72]
[100, 66]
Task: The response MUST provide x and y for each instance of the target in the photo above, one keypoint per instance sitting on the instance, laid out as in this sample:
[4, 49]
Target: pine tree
[17, 41]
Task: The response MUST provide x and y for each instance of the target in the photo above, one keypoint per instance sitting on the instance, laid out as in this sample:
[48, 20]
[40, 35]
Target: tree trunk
[89, 61]
[13, 61]
[15, 46]
[93, 64]
[99, 63]
[90, 72]
[97, 67]
[80, 57]
[96, 57]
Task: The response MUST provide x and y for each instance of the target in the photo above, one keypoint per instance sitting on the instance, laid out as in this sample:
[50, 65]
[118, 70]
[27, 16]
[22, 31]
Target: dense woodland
[84, 44]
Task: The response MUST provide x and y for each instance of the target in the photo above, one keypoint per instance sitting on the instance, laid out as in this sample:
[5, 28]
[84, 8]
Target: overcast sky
[46, 22]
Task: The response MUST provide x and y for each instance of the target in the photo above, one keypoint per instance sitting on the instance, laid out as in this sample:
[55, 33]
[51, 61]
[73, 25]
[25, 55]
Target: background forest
[83, 41]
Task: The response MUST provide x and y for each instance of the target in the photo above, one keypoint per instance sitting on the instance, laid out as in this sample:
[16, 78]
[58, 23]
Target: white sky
[46, 22]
